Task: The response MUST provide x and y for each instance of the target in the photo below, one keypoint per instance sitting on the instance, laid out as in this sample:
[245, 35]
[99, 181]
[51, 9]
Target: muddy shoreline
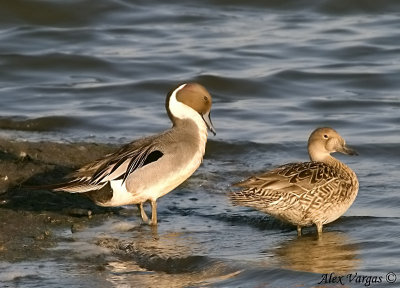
[29, 217]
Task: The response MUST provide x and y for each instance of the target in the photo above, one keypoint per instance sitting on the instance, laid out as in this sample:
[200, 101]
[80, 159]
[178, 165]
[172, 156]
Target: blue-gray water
[98, 71]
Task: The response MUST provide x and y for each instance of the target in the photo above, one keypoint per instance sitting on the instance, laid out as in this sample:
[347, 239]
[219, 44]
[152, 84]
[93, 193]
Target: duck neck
[333, 162]
[191, 126]
[196, 132]
[327, 159]
[194, 124]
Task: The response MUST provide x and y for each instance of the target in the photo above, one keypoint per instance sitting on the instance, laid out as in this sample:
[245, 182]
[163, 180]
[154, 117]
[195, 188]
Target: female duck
[316, 192]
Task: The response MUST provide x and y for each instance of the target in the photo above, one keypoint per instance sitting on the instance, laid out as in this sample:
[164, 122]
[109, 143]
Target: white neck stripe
[183, 111]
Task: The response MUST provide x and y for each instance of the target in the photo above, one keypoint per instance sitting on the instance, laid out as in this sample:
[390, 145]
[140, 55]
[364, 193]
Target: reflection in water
[334, 252]
[169, 259]
[129, 274]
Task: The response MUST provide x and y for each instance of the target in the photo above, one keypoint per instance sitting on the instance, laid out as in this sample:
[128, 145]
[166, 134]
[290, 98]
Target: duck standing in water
[149, 168]
[316, 192]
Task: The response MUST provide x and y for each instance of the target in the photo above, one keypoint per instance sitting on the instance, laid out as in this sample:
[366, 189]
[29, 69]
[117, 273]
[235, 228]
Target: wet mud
[28, 215]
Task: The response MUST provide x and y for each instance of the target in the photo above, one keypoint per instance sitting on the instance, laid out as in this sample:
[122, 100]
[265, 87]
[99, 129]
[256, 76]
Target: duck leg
[319, 229]
[143, 213]
[298, 230]
[153, 212]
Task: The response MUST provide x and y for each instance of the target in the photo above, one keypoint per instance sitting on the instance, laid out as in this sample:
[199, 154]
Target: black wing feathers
[144, 158]
[137, 158]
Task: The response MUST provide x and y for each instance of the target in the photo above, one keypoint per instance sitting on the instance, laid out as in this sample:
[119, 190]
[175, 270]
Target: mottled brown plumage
[316, 192]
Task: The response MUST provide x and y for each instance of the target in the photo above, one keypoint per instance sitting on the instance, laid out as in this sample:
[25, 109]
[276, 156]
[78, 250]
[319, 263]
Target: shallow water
[98, 71]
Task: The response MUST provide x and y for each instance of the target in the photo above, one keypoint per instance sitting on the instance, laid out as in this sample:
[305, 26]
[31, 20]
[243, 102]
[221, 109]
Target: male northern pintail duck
[149, 168]
[316, 192]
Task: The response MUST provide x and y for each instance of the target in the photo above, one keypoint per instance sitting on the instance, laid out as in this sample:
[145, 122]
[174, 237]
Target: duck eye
[325, 136]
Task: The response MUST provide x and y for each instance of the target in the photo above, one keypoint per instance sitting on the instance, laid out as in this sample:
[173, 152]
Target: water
[98, 71]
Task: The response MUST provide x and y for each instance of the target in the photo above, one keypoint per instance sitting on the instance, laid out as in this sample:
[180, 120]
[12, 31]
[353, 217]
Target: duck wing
[293, 185]
[115, 166]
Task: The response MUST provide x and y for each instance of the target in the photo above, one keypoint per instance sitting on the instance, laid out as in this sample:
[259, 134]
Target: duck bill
[347, 150]
[207, 119]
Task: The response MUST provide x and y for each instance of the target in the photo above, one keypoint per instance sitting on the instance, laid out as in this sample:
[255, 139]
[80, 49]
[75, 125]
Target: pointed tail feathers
[71, 187]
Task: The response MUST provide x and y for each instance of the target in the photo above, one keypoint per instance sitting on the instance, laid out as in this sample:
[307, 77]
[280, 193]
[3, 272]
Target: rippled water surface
[98, 71]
